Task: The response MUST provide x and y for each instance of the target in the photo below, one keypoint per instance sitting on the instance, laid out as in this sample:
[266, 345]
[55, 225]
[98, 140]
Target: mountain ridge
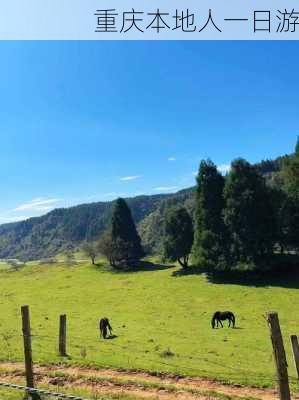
[66, 228]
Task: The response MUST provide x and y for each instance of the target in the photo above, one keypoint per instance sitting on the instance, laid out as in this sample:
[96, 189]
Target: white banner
[149, 20]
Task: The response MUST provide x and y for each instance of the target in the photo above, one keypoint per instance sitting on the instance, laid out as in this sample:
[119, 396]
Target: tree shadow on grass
[142, 266]
[282, 276]
[192, 270]
[286, 278]
[151, 266]
[100, 264]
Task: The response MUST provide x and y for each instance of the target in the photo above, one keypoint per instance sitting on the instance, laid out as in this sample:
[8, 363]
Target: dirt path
[137, 384]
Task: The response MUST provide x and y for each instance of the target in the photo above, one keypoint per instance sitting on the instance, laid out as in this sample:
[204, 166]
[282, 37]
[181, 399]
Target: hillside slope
[61, 229]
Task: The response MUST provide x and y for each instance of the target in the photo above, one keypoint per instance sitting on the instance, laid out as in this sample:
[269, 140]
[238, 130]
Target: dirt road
[136, 384]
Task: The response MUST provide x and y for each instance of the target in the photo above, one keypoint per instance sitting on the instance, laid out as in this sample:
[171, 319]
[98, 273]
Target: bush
[15, 264]
[70, 258]
[45, 261]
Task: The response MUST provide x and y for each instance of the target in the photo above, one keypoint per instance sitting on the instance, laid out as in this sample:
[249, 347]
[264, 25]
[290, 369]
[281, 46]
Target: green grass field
[162, 322]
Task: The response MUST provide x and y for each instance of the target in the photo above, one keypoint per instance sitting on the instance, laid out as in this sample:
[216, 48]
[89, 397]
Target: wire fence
[133, 352]
[43, 392]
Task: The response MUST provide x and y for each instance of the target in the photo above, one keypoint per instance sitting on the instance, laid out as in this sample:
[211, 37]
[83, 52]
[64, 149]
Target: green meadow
[161, 320]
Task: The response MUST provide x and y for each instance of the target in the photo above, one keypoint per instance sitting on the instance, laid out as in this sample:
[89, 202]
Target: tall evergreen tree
[248, 215]
[178, 236]
[291, 179]
[291, 174]
[209, 244]
[123, 230]
[283, 208]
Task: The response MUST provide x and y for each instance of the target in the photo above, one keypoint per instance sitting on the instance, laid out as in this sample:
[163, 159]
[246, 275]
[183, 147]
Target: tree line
[240, 222]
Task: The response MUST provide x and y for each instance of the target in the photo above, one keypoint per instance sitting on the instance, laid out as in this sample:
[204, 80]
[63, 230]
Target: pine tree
[291, 175]
[248, 215]
[209, 244]
[178, 236]
[123, 230]
[291, 186]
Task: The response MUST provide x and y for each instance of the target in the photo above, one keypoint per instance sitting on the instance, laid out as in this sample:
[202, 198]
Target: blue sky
[90, 121]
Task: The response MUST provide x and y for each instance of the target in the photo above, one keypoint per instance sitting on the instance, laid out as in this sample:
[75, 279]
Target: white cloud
[165, 189]
[6, 220]
[111, 194]
[32, 208]
[171, 159]
[39, 204]
[45, 208]
[130, 178]
[224, 168]
[91, 197]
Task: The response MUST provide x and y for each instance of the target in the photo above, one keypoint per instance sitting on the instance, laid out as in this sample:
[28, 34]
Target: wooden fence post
[27, 346]
[62, 335]
[28, 351]
[295, 347]
[279, 356]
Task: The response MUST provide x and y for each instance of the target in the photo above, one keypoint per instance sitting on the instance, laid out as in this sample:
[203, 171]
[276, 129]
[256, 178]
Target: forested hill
[62, 229]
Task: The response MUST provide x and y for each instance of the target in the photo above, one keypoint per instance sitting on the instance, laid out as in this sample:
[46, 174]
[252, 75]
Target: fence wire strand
[138, 354]
[40, 391]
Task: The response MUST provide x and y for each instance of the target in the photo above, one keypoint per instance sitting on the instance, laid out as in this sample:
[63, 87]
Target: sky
[91, 121]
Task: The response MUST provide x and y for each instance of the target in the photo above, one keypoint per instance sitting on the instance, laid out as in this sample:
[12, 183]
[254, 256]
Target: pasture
[162, 321]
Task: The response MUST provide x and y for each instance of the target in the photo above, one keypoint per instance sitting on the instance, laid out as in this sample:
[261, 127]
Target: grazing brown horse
[104, 325]
[222, 316]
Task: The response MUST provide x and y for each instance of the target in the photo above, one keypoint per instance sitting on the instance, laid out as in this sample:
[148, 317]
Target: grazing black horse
[104, 325]
[222, 316]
